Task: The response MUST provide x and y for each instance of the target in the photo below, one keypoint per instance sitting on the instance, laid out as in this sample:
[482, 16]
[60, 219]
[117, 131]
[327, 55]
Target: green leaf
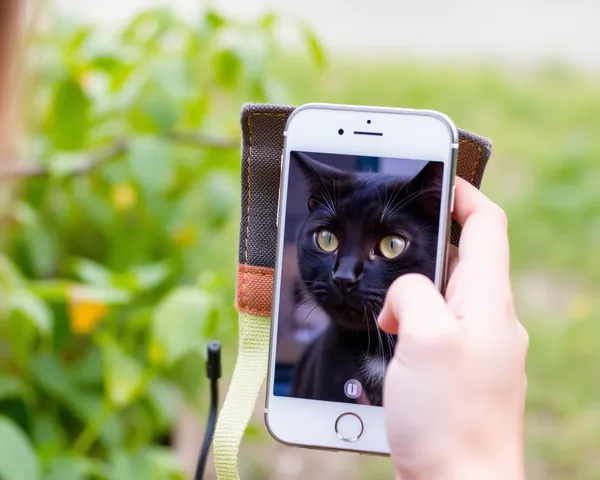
[214, 20]
[72, 468]
[48, 435]
[92, 272]
[51, 375]
[89, 370]
[151, 163]
[10, 387]
[275, 92]
[107, 62]
[17, 456]
[314, 47]
[151, 276]
[21, 337]
[153, 110]
[163, 401]
[150, 26]
[124, 374]
[220, 192]
[114, 432]
[227, 67]
[195, 110]
[102, 294]
[179, 323]
[153, 463]
[56, 381]
[10, 276]
[267, 22]
[79, 38]
[210, 25]
[184, 374]
[31, 307]
[38, 238]
[173, 75]
[69, 115]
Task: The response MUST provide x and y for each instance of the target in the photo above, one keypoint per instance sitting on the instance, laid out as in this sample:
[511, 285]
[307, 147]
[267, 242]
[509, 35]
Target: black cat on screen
[362, 232]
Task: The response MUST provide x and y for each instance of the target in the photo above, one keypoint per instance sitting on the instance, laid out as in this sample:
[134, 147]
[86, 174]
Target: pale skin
[454, 395]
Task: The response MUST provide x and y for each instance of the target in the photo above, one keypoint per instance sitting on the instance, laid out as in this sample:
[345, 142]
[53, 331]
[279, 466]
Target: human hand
[454, 393]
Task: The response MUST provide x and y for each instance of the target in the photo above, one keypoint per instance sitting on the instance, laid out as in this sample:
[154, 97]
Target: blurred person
[455, 389]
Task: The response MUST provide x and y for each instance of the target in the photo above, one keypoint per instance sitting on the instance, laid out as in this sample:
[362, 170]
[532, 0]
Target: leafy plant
[120, 249]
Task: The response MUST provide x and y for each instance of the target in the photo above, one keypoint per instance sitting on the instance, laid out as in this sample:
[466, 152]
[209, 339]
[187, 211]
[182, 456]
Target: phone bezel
[407, 134]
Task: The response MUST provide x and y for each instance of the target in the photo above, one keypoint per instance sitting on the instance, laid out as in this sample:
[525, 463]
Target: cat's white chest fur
[373, 369]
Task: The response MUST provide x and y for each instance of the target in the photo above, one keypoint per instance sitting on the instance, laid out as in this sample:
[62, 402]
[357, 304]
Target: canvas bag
[262, 148]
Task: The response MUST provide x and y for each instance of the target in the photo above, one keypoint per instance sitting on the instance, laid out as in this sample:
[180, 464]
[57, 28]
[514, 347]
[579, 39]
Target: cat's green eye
[392, 246]
[326, 241]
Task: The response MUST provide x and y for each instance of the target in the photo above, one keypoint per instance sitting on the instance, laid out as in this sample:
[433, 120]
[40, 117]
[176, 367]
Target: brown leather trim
[254, 293]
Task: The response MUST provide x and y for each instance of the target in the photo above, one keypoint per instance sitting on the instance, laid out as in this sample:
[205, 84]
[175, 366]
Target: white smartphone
[366, 195]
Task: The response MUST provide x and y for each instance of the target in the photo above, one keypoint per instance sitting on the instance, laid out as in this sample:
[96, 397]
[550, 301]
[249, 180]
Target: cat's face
[362, 232]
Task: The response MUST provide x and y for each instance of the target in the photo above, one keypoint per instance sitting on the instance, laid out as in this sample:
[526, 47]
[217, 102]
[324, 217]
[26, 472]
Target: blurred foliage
[115, 272]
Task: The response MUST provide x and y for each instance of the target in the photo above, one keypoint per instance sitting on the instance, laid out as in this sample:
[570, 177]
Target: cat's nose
[345, 283]
[345, 277]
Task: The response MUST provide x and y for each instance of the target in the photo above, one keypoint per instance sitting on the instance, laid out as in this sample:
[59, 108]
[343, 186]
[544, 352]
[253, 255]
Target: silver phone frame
[443, 246]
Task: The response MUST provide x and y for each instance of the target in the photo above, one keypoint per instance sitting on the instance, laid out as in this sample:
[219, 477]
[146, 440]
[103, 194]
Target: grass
[545, 173]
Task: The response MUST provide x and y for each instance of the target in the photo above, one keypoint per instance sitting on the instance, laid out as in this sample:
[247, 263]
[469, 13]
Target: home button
[349, 427]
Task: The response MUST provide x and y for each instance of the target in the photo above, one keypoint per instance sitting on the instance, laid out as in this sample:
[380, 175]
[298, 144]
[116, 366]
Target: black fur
[360, 209]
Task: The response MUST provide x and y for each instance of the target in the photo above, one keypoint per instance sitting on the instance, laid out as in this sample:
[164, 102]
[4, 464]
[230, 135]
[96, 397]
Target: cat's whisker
[325, 204]
[379, 334]
[327, 197]
[389, 342]
[307, 317]
[387, 203]
[368, 330]
[411, 198]
[374, 318]
[393, 340]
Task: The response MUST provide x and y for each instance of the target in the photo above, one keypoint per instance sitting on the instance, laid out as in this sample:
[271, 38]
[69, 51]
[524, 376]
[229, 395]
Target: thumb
[415, 307]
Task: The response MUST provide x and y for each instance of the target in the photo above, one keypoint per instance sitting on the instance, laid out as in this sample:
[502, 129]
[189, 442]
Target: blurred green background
[119, 237]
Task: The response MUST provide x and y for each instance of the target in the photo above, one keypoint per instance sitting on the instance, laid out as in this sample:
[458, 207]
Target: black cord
[213, 372]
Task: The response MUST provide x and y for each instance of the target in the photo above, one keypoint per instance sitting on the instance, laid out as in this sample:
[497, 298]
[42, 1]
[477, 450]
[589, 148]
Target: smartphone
[366, 196]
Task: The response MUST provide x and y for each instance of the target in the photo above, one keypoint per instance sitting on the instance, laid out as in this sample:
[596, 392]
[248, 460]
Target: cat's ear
[429, 178]
[425, 188]
[322, 180]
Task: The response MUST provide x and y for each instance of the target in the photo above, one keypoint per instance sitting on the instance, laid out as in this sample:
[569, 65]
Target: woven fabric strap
[262, 131]
[250, 372]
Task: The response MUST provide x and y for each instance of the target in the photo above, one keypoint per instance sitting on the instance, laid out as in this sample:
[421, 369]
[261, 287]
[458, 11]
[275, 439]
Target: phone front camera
[341, 131]
[369, 122]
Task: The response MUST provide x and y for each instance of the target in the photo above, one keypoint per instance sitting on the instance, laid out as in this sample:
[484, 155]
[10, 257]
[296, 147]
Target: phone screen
[353, 224]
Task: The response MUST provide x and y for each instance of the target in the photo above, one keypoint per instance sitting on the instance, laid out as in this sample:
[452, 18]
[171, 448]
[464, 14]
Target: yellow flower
[84, 313]
[123, 196]
[185, 236]
[156, 353]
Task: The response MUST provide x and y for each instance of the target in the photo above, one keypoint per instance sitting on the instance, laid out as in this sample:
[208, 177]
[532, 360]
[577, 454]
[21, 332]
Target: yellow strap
[248, 377]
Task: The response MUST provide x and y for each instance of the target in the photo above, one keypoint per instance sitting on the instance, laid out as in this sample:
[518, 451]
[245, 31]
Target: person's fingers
[483, 248]
[452, 260]
[414, 307]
